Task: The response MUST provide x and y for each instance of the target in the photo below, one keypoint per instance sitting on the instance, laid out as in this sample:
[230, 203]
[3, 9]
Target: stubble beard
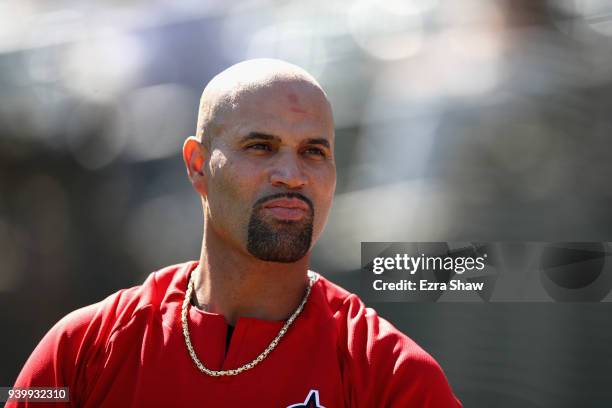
[278, 240]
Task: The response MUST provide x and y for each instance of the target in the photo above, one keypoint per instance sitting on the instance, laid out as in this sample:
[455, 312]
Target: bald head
[252, 80]
[265, 133]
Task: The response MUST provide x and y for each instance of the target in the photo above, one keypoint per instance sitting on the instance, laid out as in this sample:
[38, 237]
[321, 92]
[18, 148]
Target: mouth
[289, 209]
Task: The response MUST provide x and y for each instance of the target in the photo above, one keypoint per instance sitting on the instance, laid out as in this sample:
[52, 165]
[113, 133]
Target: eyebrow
[319, 141]
[265, 136]
[259, 136]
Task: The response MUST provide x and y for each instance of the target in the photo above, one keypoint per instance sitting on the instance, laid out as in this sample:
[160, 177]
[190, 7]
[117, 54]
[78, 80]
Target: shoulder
[380, 362]
[73, 350]
[362, 327]
[96, 323]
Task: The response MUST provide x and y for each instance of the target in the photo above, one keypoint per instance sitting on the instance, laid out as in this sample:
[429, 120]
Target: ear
[195, 155]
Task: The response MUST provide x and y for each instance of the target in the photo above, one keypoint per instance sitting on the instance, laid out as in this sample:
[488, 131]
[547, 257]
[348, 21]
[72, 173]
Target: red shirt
[129, 350]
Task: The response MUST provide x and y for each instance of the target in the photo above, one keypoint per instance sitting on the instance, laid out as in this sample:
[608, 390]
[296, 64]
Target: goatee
[275, 240]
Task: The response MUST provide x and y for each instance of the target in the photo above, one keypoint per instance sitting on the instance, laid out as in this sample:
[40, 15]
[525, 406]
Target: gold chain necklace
[312, 277]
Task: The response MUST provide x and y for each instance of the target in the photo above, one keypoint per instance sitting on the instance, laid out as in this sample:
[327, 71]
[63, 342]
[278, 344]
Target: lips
[287, 208]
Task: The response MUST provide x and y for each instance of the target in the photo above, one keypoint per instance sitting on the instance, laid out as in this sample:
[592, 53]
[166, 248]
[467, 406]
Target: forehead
[287, 110]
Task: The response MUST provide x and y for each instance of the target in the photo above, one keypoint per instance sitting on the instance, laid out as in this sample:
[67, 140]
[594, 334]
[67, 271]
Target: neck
[235, 284]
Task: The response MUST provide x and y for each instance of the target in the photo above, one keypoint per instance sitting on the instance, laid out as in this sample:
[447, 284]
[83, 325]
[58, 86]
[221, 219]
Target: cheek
[224, 177]
[230, 192]
[325, 196]
[327, 186]
[218, 161]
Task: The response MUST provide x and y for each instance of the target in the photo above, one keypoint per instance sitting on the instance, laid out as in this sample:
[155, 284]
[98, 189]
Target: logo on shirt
[311, 401]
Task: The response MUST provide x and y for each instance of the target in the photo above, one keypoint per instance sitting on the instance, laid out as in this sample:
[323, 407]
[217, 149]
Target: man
[248, 324]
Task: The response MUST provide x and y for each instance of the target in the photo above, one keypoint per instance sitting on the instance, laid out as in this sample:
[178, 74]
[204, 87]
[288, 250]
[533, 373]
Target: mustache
[298, 196]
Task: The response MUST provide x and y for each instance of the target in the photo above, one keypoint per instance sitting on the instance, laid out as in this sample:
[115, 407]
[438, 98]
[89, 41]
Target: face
[271, 176]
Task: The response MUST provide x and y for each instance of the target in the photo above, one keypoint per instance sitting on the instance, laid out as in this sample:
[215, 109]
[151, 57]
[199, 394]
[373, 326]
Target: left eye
[316, 151]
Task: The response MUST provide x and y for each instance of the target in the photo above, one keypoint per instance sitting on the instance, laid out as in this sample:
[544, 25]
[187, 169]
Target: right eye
[259, 146]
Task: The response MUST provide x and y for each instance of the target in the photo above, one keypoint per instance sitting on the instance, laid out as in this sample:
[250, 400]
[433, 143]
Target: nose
[287, 173]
